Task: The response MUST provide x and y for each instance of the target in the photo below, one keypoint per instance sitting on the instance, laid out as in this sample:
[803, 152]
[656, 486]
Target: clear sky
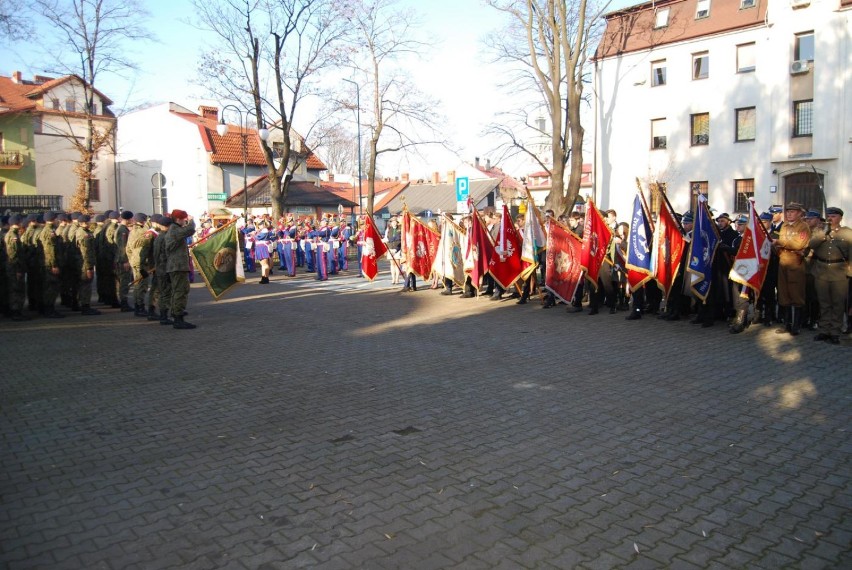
[456, 71]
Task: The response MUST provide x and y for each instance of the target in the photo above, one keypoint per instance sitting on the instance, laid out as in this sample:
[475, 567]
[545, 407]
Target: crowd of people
[51, 260]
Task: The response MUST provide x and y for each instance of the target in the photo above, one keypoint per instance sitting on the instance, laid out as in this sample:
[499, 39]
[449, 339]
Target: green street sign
[220, 196]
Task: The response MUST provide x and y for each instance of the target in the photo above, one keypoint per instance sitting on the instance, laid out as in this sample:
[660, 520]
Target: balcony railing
[30, 204]
[11, 159]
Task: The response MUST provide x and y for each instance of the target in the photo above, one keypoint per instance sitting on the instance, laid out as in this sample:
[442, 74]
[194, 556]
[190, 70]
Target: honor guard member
[777, 218]
[793, 238]
[123, 270]
[51, 252]
[16, 268]
[86, 253]
[102, 284]
[146, 257]
[135, 242]
[177, 264]
[34, 267]
[832, 248]
[111, 278]
[161, 273]
[742, 294]
[67, 277]
[810, 314]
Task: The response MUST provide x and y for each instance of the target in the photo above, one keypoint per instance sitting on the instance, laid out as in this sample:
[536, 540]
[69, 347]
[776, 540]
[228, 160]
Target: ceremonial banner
[668, 249]
[705, 240]
[419, 245]
[372, 250]
[638, 261]
[219, 260]
[480, 249]
[534, 240]
[448, 261]
[506, 265]
[596, 238]
[563, 272]
[752, 259]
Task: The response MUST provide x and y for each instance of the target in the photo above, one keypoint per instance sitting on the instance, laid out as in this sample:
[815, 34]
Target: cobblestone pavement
[347, 425]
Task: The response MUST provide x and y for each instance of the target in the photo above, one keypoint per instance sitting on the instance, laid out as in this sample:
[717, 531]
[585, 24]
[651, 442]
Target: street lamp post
[358, 120]
[263, 133]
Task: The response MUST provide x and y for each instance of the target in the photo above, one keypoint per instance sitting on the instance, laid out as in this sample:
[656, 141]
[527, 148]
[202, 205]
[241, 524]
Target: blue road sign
[462, 188]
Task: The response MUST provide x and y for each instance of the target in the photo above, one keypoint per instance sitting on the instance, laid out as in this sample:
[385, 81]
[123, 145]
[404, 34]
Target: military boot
[87, 310]
[182, 324]
[796, 318]
[140, 311]
[164, 318]
[152, 313]
[125, 306]
[739, 323]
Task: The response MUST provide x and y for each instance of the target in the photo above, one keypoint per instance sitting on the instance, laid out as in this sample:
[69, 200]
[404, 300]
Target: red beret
[179, 215]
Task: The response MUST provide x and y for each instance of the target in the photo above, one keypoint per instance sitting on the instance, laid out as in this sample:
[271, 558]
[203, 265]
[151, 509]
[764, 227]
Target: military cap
[84, 218]
[155, 218]
[75, 215]
[15, 219]
[834, 210]
[127, 215]
[40, 218]
[100, 218]
[165, 221]
[112, 215]
[723, 216]
[49, 216]
[140, 218]
[795, 206]
[776, 209]
[4, 219]
[62, 217]
[812, 214]
[179, 215]
[31, 218]
[688, 218]
[765, 216]
[742, 220]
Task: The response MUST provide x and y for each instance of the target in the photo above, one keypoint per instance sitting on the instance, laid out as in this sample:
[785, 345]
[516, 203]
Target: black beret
[165, 221]
[100, 218]
[15, 219]
[112, 215]
[40, 218]
[32, 218]
[139, 217]
[4, 219]
[84, 218]
[834, 210]
[49, 216]
[75, 215]
[126, 215]
[62, 217]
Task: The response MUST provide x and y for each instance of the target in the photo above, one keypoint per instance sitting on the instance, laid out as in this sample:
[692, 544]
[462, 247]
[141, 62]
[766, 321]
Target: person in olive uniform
[110, 277]
[123, 271]
[139, 285]
[832, 248]
[793, 238]
[85, 243]
[161, 273]
[31, 248]
[50, 250]
[16, 268]
[177, 264]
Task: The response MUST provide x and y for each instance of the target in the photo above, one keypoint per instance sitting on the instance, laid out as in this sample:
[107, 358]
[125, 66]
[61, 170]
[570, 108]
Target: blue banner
[639, 239]
[705, 240]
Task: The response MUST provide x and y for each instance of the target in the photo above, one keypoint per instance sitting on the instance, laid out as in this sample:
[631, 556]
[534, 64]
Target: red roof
[26, 95]
[393, 189]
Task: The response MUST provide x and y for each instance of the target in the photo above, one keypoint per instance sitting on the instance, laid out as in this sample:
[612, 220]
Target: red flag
[752, 259]
[480, 249]
[596, 237]
[372, 249]
[419, 245]
[668, 249]
[506, 265]
[564, 270]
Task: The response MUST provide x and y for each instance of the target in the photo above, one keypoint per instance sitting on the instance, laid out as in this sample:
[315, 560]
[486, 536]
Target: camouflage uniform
[4, 282]
[123, 273]
[139, 283]
[177, 265]
[16, 268]
[51, 264]
[107, 251]
[161, 275]
[85, 246]
[31, 252]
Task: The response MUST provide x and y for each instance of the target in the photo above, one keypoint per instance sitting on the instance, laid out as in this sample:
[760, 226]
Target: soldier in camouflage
[123, 271]
[50, 251]
[177, 264]
[85, 246]
[16, 268]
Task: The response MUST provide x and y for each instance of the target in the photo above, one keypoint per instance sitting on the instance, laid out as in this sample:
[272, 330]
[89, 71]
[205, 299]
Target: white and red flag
[419, 245]
[448, 262]
[480, 249]
[752, 259]
[372, 250]
[596, 237]
[564, 271]
[506, 265]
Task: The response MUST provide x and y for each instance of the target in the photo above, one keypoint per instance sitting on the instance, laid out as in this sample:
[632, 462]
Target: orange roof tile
[24, 96]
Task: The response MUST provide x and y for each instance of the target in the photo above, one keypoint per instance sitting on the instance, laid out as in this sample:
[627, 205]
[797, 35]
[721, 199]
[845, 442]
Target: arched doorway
[805, 188]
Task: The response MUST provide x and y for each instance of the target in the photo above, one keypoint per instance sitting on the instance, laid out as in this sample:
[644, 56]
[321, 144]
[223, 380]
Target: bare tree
[401, 117]
[269, 58]
[13, 26]
[339, 148]
[92, 38]
[547, 43]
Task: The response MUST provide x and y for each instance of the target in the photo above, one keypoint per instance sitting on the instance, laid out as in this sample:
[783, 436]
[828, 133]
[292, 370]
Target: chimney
[331, 177]
[435, 178]
[487, 164]
[16, 77]
[209, 112]
[405, 177]
[451, 177]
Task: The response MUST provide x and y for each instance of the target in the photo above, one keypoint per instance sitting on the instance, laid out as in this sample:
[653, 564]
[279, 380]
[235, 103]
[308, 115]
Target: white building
[732, 98]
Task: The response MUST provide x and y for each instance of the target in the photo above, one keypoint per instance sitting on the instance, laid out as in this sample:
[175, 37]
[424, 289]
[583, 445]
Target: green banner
[218, 260]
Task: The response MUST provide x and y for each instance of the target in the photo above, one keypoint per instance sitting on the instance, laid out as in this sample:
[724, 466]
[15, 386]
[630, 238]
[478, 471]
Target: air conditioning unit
[801, 66]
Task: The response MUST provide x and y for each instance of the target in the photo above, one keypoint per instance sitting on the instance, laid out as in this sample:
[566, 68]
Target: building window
[803, 118]
[661, 19]
[700, 128]
[746, 120]
[703, 9]
[54, 103]
[94, 190]
[70, 105]
[747, 4]
[658, 133]
[701, 65]
[658, 73]
[804, 50]
[745, 190]
[696, 188]
[745, 58]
